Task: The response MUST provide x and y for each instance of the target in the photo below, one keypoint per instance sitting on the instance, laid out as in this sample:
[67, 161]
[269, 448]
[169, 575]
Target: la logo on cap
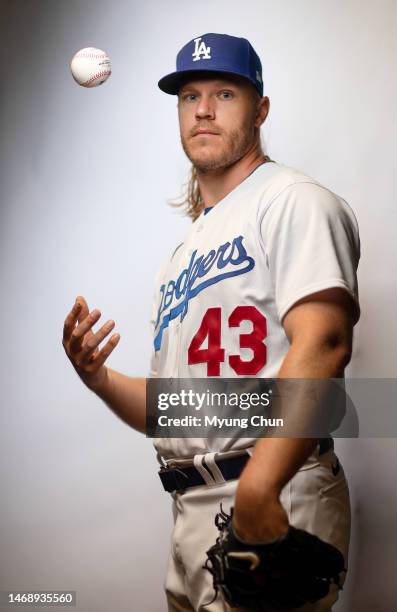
[200, 50]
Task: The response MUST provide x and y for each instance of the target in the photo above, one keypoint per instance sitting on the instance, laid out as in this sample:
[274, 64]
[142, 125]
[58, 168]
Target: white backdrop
[85, 175]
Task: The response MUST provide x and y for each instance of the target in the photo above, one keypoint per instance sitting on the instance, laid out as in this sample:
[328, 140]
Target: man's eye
[226, 95]
[189, 97]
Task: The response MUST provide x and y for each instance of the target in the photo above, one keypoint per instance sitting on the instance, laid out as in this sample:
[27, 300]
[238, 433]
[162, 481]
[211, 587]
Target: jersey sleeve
[311, 240]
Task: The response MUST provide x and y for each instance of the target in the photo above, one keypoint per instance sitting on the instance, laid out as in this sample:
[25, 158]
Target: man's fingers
[81, 342]
[91, 344]
[78, 333]
[70, 321]
[78, 313]
[107, 349]
[84, 310]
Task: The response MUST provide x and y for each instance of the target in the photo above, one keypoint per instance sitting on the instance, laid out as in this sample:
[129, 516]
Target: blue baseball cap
[215, 53]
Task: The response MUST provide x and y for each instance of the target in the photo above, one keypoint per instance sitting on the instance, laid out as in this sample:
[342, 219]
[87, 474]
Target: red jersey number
[210, 328]
[213, 355]
[253, 340]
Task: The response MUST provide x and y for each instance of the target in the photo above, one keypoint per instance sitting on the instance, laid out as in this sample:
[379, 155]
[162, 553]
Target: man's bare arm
[126, 397]
[319, 329]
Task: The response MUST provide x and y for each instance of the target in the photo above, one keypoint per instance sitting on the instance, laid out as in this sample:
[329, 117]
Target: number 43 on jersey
[214, 354]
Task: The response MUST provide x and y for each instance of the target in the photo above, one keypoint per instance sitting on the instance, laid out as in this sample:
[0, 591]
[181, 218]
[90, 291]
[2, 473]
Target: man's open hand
[81, 343]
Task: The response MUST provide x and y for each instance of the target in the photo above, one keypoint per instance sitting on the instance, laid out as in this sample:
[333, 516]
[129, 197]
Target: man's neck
[215, 185]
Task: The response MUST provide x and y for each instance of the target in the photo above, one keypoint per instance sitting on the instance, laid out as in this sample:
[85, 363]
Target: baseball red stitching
[91, 55]
[96, 76]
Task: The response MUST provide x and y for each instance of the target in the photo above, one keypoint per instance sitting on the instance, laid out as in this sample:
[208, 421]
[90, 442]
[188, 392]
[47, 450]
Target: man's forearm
[126, 397]
[275, 460]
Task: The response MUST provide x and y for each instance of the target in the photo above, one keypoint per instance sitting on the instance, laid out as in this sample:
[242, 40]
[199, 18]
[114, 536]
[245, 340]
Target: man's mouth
[204, 132]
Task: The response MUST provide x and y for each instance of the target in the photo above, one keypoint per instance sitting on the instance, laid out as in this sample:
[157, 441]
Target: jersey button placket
[177, 355]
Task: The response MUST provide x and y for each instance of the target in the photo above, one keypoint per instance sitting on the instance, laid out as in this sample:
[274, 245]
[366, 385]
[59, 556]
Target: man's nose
[205, 108]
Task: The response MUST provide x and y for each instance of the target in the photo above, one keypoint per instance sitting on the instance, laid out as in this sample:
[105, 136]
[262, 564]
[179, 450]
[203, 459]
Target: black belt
[175, 479]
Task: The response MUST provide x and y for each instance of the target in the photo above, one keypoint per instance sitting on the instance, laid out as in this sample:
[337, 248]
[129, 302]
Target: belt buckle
[178, 477]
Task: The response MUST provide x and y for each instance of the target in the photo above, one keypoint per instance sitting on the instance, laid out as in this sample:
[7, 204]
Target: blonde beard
[238, 143]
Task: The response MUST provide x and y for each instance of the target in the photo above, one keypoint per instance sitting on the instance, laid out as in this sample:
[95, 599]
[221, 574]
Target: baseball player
[263, 285]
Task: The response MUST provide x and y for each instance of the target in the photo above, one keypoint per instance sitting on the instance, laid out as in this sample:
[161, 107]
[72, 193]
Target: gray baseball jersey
[220, 298]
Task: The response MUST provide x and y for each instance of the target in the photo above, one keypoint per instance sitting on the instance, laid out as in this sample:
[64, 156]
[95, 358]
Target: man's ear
[262, 110]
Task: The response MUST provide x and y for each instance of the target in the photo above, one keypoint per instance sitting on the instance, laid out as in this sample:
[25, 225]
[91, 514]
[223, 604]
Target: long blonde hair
[191, 202]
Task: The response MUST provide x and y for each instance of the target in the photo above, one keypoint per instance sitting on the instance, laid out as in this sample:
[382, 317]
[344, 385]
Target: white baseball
[90, 67]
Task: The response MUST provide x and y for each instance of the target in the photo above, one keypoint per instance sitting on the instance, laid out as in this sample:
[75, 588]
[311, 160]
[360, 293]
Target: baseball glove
[286, 573]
